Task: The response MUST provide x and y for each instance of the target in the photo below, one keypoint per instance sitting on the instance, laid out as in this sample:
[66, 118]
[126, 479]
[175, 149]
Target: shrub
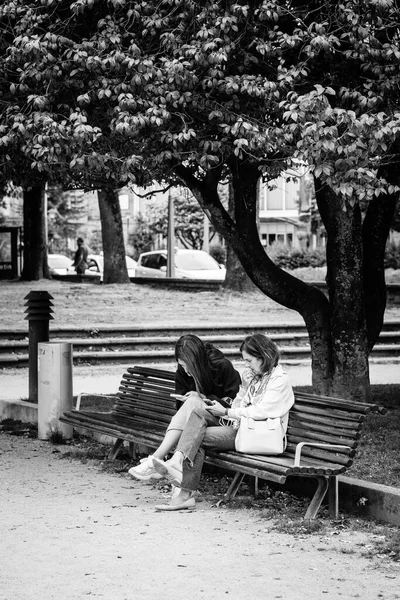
[290, 258]
[392, 256]
[219, 253]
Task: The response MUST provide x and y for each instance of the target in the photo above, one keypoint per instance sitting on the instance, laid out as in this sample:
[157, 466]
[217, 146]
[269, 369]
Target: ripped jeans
[202, 431]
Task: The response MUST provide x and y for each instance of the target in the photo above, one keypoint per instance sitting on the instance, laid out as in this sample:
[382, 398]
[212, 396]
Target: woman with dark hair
[203, 374]
[265, 393]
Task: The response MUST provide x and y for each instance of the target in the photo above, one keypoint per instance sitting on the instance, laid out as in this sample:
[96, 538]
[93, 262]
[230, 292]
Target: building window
[124, 201]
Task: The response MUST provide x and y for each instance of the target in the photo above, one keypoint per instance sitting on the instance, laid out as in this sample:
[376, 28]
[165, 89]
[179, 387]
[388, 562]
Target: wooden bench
[323, 433]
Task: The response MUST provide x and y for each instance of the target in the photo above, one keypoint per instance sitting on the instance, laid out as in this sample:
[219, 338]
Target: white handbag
[260, 437]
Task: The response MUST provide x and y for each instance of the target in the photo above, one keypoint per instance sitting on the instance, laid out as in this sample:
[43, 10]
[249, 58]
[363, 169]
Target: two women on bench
[265, 393]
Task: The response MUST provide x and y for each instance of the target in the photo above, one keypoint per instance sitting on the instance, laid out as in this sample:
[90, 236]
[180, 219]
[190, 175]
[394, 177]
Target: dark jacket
[81, 259]
[227, 379]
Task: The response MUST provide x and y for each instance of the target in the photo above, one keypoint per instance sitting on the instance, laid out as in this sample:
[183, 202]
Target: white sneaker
[145, 470]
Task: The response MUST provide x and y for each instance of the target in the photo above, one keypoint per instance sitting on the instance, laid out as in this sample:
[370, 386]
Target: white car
[189, 264]
[96, 266]
[59, 264]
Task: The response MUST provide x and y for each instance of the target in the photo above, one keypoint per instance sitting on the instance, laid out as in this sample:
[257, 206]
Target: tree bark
[236, 277]
[376, 227]
[35, 249]
[115, 270]
[344, 255]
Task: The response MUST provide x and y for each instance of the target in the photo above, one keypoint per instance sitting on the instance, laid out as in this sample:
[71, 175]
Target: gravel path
[71, 531]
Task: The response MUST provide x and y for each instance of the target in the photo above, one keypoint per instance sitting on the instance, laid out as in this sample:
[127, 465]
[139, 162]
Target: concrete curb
[359, 497]
[368, 499]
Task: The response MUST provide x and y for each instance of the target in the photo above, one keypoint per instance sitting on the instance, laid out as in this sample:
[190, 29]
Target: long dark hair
[192, 351]
[262, 347]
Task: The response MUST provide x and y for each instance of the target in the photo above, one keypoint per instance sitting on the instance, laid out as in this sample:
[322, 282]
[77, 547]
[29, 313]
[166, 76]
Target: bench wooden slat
[329, 413]
[324, 455]
[326, 426]
[363, 407]
[219, 461]
[315, 436]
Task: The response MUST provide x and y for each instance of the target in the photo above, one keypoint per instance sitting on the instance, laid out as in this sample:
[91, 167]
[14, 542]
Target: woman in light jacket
[265, 393]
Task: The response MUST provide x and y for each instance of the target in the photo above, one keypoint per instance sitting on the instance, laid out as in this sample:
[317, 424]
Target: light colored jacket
[269, 397]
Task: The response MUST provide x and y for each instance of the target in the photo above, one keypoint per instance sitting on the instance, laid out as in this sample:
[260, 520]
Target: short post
[54, 388]
[39, 314]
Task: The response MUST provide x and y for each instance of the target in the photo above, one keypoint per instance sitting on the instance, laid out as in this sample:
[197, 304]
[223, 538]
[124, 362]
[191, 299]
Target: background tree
[64, 211]
[45, 135]
[142, 239]
[188, 222]
[216, 91]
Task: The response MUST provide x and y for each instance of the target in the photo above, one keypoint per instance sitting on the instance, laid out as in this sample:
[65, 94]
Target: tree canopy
[199, 92]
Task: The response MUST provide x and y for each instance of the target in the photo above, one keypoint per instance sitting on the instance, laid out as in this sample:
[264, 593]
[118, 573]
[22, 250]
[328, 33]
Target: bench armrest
[300, 445]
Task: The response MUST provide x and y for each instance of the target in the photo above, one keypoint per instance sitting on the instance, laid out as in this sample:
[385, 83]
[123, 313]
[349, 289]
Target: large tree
[200, 92]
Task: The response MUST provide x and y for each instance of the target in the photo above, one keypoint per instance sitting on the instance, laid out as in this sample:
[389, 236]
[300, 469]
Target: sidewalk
[71, 530]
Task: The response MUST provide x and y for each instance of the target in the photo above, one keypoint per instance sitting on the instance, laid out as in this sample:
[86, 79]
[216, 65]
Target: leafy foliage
[64, 211]
[106, 89]
[294, 258]
[392, 256]
[188, 219]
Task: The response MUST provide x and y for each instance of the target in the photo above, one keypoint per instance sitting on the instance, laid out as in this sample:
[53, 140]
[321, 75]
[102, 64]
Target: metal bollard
[39, 314]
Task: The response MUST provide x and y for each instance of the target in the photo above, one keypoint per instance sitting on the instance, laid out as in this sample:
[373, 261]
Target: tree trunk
[35, 250]
[336, 324]
[236, 277]
[376, 227]
[344, 256]
[115, 270]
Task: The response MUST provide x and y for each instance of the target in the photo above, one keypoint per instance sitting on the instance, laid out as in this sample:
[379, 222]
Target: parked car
[96, 266]
[59, 264]
[189, 264]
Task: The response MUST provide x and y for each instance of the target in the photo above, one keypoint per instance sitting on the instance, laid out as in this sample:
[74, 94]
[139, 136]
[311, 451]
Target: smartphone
[177, 396]
[224, 403]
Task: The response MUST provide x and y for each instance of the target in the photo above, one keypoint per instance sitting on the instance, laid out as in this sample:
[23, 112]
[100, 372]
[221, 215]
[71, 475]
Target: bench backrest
[144, 395]
[323, 419]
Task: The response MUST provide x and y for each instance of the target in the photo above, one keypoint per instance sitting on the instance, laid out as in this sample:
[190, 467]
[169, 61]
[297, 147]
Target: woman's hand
[216, 409]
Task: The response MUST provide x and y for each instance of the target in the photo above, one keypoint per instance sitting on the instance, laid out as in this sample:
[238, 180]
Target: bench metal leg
[313, 508]
[254, 486]
[256, 490]
[334, 497]
[115, 449]
[132, 450]
[233, 488]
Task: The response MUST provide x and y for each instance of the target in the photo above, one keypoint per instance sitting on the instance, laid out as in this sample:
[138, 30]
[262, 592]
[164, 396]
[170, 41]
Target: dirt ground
[70, 530]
